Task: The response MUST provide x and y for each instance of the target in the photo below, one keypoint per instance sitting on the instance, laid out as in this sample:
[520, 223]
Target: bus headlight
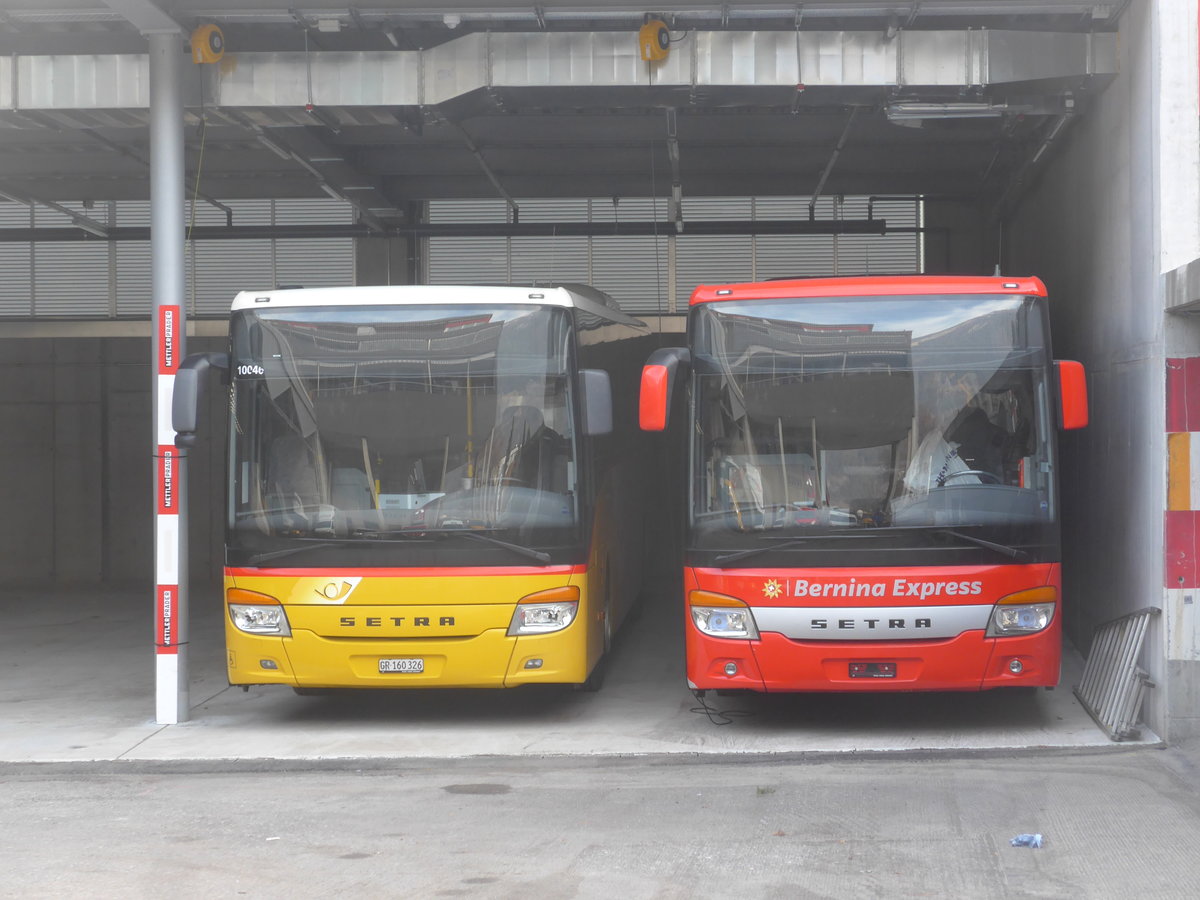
[545, 612]
[720, 616]
[1025, 612]
[257, 613]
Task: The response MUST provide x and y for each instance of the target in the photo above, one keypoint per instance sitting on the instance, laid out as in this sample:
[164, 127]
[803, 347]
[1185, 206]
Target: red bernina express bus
[873, 483]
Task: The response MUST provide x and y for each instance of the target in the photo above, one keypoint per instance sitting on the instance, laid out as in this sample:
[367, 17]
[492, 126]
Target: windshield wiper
[309, 544]
[780, 543]
[374, 537]
[529, 552]
[746, 554]
[1003, 549]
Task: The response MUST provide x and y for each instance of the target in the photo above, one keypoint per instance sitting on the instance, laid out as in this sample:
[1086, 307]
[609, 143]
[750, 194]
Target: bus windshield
[393, 425]
[833, 415]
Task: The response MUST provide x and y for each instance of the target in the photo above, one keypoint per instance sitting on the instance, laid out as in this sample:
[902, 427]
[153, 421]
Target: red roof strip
[869, 286]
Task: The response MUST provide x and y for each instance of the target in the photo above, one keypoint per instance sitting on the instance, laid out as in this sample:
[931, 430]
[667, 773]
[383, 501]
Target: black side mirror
[189, 389]
[595, 401]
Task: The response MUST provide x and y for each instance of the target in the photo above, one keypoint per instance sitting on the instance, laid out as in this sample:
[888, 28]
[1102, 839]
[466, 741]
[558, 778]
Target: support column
[168, 338]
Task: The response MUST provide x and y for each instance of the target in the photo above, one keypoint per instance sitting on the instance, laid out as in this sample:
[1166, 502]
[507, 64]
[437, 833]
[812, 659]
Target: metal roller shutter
[317, 262]
[135, 295]
[893, 253]
[483, 260]
[645, 274]
[642, 273]
[634, 270]
[708, 259]
[798, 255]
[16, 261]
[70, 278]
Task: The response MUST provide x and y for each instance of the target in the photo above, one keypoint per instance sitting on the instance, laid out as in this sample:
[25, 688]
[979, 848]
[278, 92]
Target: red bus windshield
[888, 415]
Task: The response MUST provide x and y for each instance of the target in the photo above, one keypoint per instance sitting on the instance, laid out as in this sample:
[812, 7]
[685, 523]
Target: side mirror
[189, 389]
[1072, 394]
[596, 401]
[658, 386]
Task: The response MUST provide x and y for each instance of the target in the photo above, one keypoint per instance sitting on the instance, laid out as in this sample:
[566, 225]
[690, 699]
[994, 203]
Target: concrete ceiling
[531, 140]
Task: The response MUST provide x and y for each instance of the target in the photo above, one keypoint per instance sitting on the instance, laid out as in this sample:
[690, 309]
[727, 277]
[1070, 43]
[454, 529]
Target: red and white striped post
[170, 623]
[169, 346]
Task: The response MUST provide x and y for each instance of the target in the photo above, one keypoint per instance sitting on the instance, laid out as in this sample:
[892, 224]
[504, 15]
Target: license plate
[872, 670]
[407, 665]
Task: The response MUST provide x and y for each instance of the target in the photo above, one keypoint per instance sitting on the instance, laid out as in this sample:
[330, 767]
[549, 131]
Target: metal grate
[1113, 683]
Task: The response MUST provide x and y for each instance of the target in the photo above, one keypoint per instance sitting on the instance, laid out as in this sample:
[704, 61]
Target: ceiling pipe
[1019, 181]
[470, 229]
[487, 170]
[190, 184]
[837, 151]
[91, 226]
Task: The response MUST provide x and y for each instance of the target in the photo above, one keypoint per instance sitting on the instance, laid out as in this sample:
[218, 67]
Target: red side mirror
[1072, 394]
[658, 382]
[655, 397]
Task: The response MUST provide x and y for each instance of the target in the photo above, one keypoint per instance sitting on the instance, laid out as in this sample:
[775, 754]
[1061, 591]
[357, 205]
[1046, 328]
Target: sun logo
[772, 590]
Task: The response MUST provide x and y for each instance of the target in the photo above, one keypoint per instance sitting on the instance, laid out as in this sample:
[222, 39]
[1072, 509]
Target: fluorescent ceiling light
[916, 110]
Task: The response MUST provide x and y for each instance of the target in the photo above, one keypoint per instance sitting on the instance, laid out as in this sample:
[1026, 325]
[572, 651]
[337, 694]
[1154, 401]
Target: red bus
[873, 483]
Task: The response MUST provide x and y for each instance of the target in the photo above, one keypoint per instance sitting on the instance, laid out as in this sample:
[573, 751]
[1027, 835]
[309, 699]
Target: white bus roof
[574, 296]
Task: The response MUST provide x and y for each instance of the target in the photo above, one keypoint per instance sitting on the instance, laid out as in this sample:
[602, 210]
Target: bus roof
[869, 286]
[576, 296]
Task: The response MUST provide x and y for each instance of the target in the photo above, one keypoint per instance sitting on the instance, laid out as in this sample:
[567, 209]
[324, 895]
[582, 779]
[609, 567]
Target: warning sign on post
[169, 319]
[168, 500]
[167, 637]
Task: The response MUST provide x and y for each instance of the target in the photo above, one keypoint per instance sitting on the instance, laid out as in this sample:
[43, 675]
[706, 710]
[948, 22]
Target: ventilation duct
[927, 63]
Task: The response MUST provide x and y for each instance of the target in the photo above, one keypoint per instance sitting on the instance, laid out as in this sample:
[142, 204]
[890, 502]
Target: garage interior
[405, 143]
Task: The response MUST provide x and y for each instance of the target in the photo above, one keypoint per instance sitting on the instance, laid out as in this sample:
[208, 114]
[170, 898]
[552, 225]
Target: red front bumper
[969, 662]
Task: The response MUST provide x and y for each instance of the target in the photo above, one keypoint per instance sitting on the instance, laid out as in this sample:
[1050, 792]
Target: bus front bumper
[492, 659]
[969, 662]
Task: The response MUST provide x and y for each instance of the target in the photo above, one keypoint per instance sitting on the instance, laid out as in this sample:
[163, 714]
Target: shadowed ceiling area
[402, 102]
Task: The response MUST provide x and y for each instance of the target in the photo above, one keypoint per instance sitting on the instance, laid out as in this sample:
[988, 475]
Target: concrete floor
[78, 686]
[1118, 825]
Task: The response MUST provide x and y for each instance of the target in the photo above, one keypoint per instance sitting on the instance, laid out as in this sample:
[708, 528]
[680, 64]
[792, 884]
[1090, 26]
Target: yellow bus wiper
[529, 552]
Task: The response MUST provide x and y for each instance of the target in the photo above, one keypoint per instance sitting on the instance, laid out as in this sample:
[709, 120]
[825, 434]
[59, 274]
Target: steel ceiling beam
[146, 17]
[86, 225]
[727, 14]
[315, 159]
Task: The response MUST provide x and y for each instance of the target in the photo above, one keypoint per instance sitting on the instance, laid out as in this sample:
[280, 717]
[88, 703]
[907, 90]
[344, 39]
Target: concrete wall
[1178, 251]
[1090, 228]
[76, 451]
[76, 447]
[960, 239]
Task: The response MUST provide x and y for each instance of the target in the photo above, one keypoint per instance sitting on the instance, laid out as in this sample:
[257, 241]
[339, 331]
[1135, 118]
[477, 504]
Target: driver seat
[980, 443]
[513, 453]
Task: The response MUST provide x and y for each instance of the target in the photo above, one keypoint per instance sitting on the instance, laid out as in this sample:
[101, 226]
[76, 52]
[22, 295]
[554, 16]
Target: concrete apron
[79, 686]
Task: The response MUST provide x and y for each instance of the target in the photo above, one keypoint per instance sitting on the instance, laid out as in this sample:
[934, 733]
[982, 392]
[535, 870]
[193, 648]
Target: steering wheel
[987, 477]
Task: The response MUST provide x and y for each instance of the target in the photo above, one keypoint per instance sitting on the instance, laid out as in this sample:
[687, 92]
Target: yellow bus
[421, 485]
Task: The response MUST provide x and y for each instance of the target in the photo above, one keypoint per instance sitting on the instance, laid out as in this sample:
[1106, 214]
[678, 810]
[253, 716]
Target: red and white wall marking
[1181, 525]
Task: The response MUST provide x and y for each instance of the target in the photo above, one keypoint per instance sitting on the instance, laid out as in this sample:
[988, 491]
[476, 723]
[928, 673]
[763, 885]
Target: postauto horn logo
[337, 590]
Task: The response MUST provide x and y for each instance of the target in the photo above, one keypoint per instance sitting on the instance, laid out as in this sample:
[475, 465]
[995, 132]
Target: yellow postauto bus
[421, 484]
